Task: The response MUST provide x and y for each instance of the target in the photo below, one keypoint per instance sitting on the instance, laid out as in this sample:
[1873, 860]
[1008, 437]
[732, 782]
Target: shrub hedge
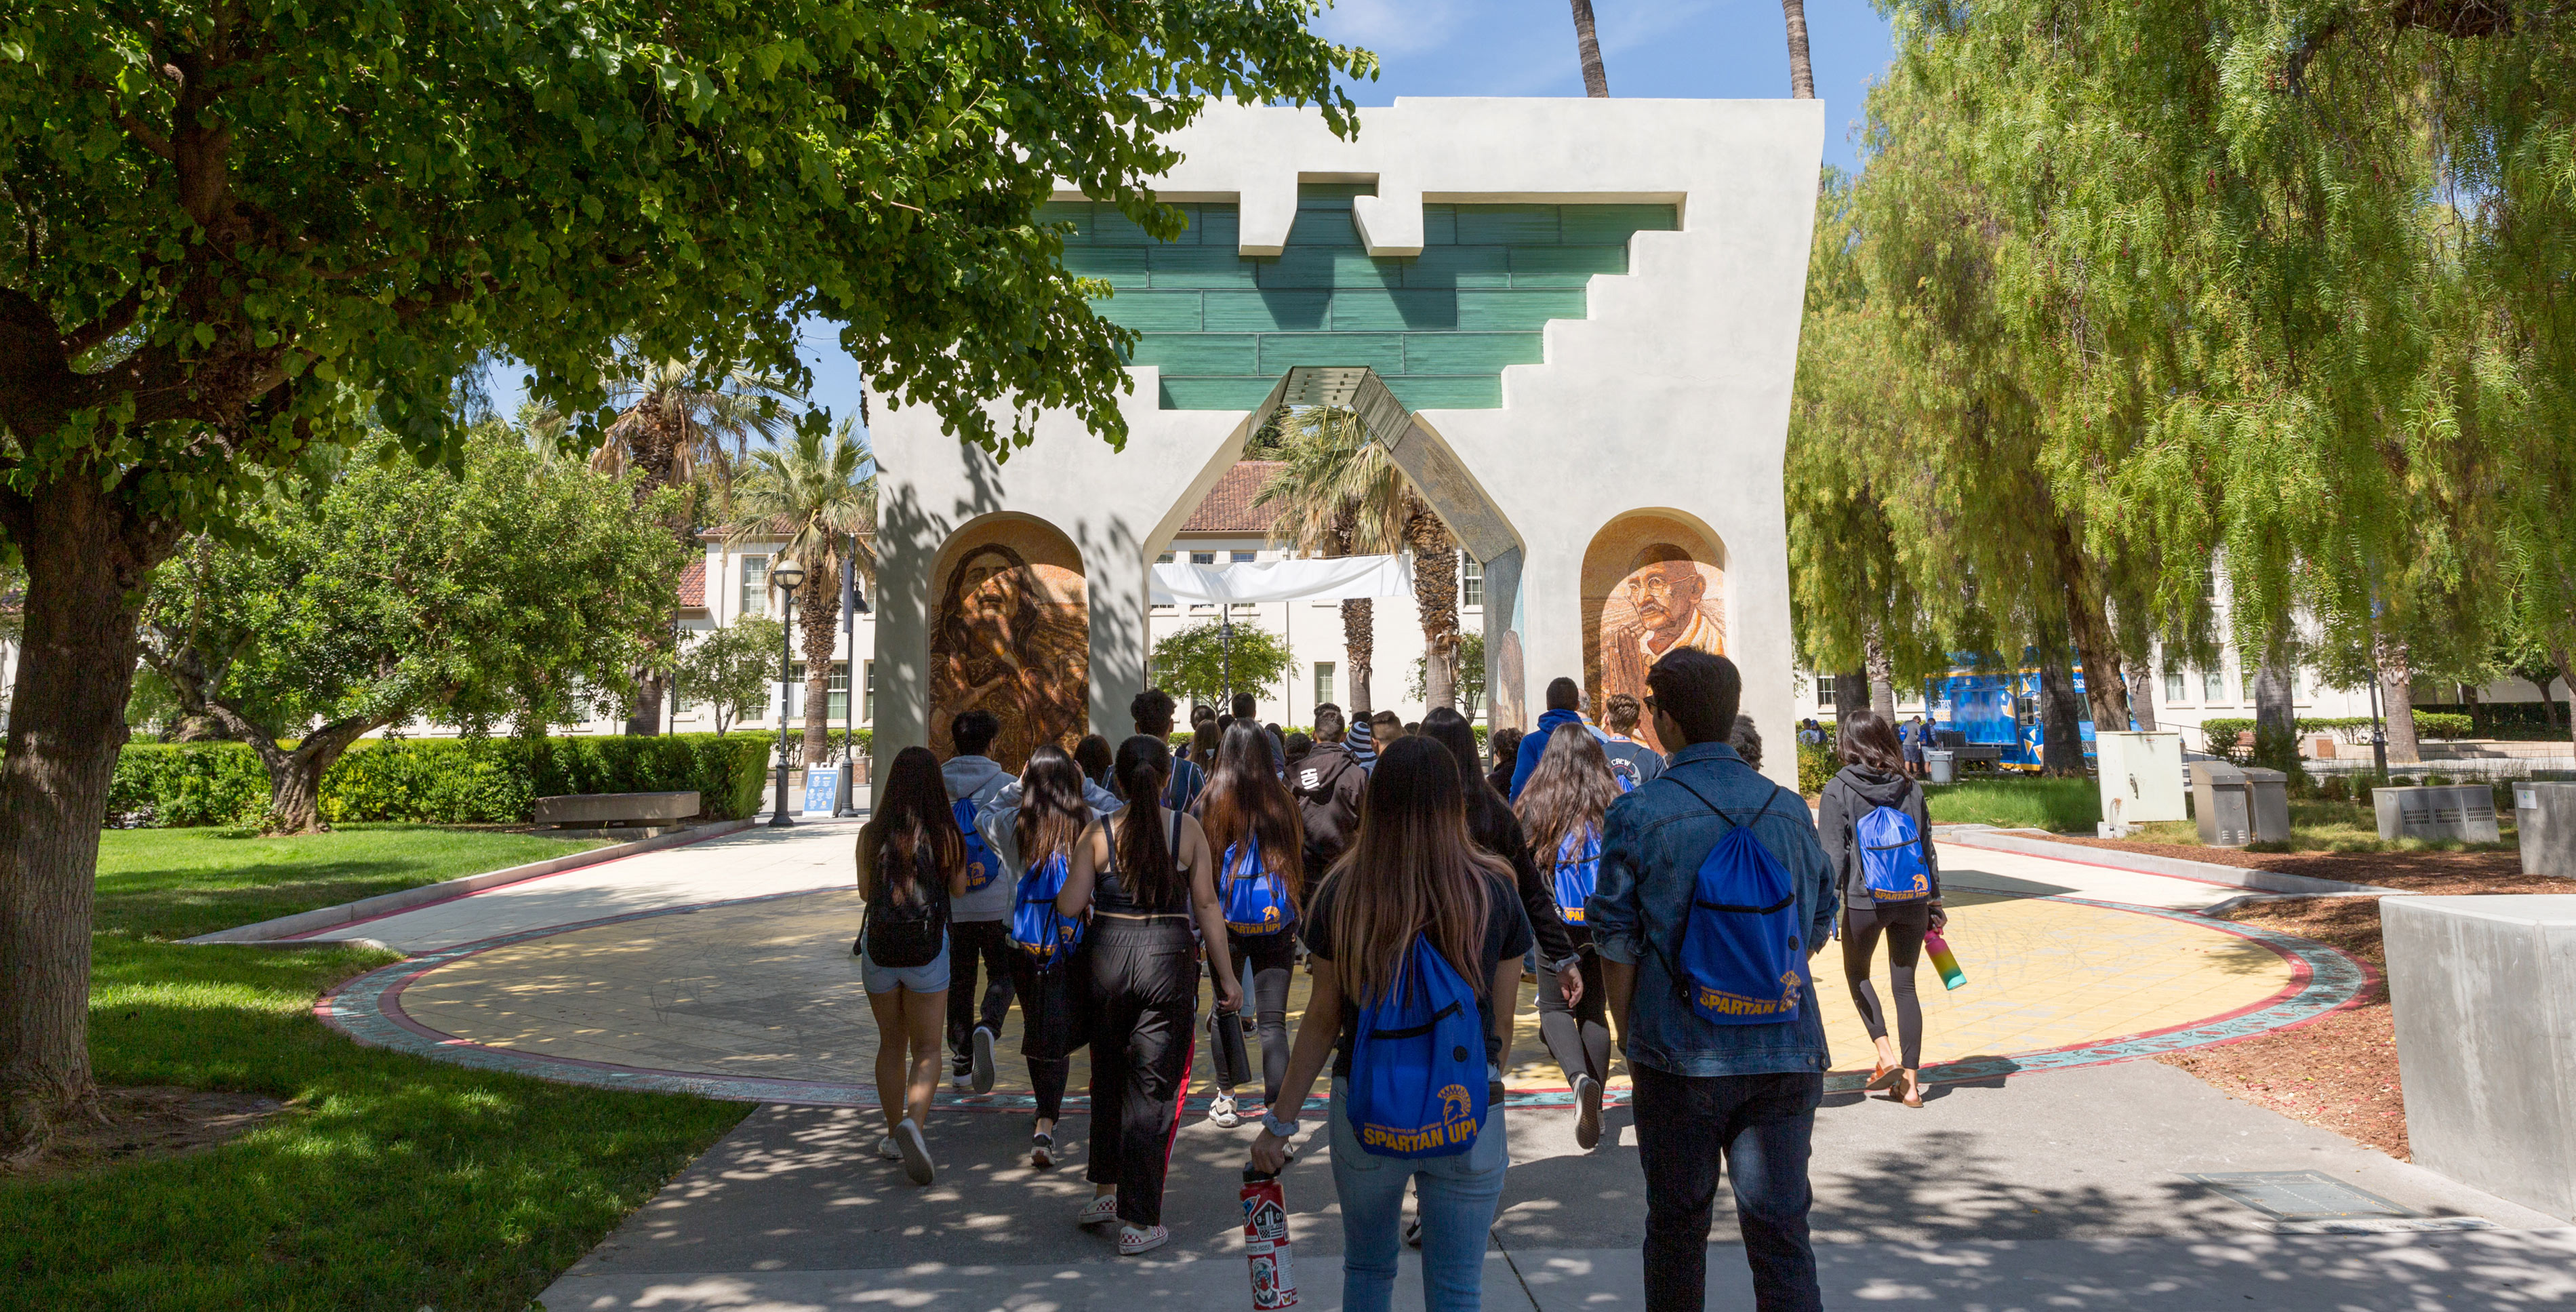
[442, 780]
[1817, 766]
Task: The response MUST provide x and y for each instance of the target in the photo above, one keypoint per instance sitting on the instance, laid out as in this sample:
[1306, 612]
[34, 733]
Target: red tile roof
[1229, 508]
[693, 585]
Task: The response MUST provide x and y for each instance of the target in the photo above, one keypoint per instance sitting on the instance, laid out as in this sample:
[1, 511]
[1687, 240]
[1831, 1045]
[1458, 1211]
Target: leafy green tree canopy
[732, 670]
[1208, 662]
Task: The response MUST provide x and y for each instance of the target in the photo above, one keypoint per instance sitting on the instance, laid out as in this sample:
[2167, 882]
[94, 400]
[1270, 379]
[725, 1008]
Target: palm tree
[1340, 495]
[680, 424]
[823, 495]
[1802, 77]
[1596, 80]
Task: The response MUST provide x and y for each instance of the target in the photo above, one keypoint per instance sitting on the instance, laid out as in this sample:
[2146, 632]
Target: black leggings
[1268, 958]
[1578, 1037]
[967, 941]
[1051, 1024]
[1905, 924]
[1145, 993]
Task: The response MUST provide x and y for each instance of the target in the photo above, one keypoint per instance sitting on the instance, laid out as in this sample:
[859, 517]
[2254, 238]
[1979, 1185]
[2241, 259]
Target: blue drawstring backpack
[1418, 1062]
[1049, 936]
[1891, 856]
[1256, 901]
[982, 867]
[1578, 868]
[1740, 960]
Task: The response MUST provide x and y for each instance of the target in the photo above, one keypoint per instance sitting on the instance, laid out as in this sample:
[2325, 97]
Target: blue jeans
[1456, 1197]
[1760, 1127]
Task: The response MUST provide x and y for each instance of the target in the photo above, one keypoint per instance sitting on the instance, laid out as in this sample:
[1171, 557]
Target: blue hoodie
[1534, 744]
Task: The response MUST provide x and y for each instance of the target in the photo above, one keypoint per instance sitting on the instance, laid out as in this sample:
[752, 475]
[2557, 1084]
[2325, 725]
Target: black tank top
[1110, 894]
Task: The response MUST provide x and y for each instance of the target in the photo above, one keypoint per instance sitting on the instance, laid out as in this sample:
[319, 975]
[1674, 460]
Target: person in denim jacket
[1744, 1096]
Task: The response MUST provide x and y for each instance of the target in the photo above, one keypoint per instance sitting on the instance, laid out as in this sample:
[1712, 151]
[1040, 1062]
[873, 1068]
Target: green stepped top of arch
[1439, 327]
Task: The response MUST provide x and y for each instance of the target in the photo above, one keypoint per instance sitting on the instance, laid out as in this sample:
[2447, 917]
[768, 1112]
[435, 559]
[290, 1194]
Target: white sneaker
[1098, 1210]
[1587, 1115]
[887, 1150]
[982, 1077]
[916, 1152]
[961, 1081]
[1133, 1240]
[1221, 1112]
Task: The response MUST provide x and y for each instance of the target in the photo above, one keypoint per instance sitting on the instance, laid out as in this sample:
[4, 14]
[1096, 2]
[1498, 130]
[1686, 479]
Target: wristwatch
[1286, 1129]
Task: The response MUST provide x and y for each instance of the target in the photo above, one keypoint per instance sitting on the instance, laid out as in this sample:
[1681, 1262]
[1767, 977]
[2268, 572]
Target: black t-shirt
[1507, 935]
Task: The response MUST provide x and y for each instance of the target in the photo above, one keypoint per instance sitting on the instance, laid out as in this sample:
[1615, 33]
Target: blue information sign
[822, 790]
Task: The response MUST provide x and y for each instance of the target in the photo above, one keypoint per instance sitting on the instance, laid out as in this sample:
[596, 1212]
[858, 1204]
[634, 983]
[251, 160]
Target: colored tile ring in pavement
[369, 1010]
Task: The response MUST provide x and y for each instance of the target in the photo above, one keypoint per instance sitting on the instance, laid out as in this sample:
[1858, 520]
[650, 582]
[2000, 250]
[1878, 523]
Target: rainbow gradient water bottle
[1944, 960]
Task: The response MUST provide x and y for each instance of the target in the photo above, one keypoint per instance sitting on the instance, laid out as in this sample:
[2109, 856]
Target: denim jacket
[1652, 843]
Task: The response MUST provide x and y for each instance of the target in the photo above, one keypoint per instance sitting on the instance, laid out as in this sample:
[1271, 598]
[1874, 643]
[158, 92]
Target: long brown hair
[912, 808]
[1244, 796]
[1052, 815]
[1568, 792]
[1146, 862]
[1870, 743]
[1411, 870]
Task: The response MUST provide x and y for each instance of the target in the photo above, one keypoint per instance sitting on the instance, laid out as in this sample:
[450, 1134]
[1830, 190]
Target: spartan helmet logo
[1456, 1107]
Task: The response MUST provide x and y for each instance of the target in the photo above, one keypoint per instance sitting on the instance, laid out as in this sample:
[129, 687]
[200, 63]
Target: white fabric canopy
[1338, 579]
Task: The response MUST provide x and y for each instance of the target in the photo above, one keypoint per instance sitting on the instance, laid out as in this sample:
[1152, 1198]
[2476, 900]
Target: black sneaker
[980, 1066]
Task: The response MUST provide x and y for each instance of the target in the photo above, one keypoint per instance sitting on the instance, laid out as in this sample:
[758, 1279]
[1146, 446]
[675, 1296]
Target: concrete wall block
[2485, 995]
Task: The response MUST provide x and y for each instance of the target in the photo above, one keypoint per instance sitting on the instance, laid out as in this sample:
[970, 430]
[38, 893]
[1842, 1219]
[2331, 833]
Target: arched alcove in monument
[1653, 580]
[1010, 633]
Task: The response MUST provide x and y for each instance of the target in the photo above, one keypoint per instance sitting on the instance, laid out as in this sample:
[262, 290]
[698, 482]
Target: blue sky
[1686, 49]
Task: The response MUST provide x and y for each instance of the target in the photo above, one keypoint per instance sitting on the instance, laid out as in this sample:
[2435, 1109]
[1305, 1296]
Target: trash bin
[2222, 800]
[1940, 764]
[2271, 804]
[2544, 818]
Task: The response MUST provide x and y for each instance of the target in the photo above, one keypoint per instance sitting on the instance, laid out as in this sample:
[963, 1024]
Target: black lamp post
[786, 576]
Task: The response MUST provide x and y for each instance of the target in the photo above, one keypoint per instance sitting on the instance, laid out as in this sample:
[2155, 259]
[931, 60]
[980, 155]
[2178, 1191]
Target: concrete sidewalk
[2064, 1190]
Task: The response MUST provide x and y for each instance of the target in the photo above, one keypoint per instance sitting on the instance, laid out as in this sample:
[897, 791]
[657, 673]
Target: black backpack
[909, 933]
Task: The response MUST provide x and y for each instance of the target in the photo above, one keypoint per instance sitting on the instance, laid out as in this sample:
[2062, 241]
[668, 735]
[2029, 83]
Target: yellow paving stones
[770, 989]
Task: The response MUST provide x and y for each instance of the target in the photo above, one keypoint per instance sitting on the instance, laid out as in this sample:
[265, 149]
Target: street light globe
[787, 575]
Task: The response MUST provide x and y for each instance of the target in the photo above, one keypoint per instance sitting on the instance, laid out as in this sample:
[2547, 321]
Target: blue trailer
[1996, 711]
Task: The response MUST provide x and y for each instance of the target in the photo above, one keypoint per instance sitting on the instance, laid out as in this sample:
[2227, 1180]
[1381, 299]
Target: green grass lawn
[177, 883]
[2060, 806]
[390, 1182]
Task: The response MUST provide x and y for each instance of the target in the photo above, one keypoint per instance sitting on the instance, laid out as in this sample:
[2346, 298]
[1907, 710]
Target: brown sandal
[1882, 1077]
[1913, 1090]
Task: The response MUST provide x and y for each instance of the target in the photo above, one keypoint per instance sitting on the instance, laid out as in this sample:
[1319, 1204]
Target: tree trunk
[1851, 693]
[2061, 713]
[818, 608]
[2106, 683]
[645, 718]
[2397, 700]
[1802, 77]
[88, 560]
[2276, 725]
[1359, 644]
[295, 778]
[2142, 700]
[2477, 713]
[1882, 677]
[1596, 80]
[2566, 671]
[1435, 598]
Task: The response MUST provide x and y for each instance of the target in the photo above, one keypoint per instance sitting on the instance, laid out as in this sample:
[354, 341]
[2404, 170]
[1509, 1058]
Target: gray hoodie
[980, 778]
[1000, 820]
[1855, 793]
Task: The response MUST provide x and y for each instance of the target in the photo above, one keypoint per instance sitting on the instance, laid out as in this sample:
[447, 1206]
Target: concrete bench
[603, 810]
[2484, 988]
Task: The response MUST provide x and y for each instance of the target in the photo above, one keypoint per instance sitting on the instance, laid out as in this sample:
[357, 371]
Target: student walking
[912, 866]
[1561, 809]
[978, 929]
[1713, 894]
[1417, 943]
[1252, 827]
[1328, 785]
[1630, 759]
[1143, 875]
[1033, 826]
[1878, 844]
[1152, 711]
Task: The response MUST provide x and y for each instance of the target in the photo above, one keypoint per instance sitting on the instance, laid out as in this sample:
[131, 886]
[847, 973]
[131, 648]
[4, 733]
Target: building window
[1243, 557]
[2213, 685]
[1471, 581]
[1164, 559]
[1824, 692]
[868, 692]
[1202, 557]
[2173, 686]
[836, 686]
[755, 586]
[1323, 682]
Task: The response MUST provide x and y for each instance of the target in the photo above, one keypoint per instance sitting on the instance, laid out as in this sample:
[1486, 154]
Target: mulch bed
[146, 1122]
[2418, 871]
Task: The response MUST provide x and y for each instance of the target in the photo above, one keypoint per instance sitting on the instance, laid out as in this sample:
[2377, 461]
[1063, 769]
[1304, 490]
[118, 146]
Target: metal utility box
[2544, 819]
[2222, 799]
[1939, 763]
[2271, 804]
[2141, 778]
[2456, 813]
